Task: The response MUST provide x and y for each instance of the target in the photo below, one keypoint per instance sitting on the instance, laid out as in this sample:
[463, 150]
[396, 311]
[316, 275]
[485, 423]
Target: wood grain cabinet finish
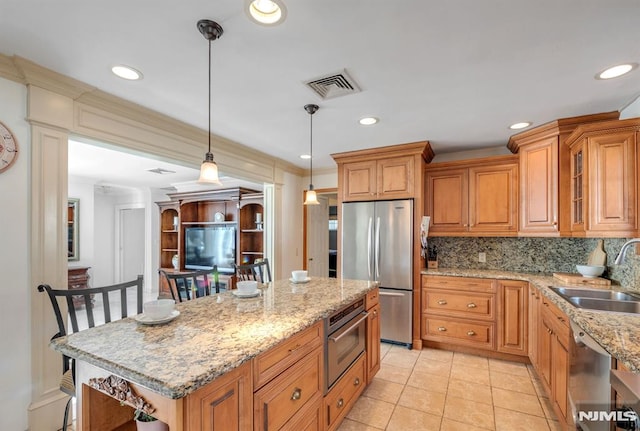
[539, 188]
[513, 317]
[534, 313]
[604, 169]
[372, 305]
[344, 394]
[223, 404]
[277, 402]
[473, 197]
[379, 179]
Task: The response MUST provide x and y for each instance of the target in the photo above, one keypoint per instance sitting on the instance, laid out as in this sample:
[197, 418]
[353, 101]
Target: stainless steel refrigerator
[377, 244]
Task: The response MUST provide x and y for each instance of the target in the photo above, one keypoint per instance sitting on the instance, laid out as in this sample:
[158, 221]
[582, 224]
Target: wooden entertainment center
[238, 207]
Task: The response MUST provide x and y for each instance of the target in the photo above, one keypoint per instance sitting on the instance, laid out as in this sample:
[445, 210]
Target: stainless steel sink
[601, 300]
[594, 293]
[606, 304]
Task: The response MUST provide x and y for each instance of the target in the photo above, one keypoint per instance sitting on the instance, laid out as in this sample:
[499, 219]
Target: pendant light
[311, 198]
[211, 31]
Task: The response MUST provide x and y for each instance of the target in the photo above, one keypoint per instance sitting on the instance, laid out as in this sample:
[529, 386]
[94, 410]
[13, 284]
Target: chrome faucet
[623, 250]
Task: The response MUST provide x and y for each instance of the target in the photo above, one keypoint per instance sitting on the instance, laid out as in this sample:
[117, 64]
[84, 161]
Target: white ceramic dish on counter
[239, 294]
[304, 280]
[590, 271]
[147, 320]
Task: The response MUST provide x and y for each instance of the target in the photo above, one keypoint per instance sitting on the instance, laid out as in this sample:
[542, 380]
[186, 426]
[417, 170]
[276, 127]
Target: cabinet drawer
[458, 331]
[478, 285]
[273, 362]
[560, 320]
[344, 394]
[461, 304]
[372, 298]
[278, 401]
[309, 418]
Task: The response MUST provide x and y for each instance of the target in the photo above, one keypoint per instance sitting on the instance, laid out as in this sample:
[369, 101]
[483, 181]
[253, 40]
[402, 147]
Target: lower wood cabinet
[222, 404]
[553, 354]
[513, 317]
[460, 331]
[277, 402]
[344, 394]
[373, 334]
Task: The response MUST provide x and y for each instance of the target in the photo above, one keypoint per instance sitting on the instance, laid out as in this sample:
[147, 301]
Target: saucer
[246, 295]
[146, 320]
[306, 280]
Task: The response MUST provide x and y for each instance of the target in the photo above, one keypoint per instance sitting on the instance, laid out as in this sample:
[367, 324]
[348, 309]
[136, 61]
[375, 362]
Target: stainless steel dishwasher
[589, 386]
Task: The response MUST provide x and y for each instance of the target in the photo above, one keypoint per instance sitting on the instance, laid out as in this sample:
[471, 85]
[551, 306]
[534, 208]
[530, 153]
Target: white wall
[82, 189]
[632, 110]
[15, 336]
[290, 243]
[103, 224]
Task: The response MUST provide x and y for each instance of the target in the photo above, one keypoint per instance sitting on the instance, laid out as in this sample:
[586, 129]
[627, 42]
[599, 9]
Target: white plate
[218, 217]
[146, 320]
[306, 280]
[246, 295]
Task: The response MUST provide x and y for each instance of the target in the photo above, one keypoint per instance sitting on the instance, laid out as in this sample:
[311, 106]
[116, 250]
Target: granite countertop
[211, 336]
[618, 333]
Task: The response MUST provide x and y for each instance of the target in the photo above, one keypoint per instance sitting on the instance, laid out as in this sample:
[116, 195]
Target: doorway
[321, 235]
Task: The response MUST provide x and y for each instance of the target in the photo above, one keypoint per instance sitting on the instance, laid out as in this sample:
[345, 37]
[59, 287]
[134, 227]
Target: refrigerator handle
[377, 249]
[369, 235]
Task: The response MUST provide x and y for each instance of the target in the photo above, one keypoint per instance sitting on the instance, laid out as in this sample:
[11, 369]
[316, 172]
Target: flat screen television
[210, 245]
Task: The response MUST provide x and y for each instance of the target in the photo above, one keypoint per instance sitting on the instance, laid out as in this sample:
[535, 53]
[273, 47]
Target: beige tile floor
[446, 391]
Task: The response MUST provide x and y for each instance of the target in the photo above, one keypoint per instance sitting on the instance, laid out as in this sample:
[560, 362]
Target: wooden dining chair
[87, 308]
[185, 286]
[258, 271]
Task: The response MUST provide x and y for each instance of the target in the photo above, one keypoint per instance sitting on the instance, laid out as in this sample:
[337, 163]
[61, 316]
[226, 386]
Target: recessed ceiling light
[305, 156]
[522, 125]
[368, 121]
[266, 12]
[126, 72]
[615, 71]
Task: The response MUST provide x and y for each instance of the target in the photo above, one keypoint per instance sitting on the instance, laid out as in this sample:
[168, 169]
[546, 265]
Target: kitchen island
[216, 339]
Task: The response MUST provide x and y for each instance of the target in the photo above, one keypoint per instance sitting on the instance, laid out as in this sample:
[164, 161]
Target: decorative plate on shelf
[218, 217]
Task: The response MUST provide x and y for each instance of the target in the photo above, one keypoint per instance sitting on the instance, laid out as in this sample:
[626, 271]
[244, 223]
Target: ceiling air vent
[334, 85]
[161, 171]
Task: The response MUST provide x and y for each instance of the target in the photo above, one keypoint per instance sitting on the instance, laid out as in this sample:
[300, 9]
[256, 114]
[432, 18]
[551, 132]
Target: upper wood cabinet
[544, 170]
[604, 179]
[381, 173]
[473, 197]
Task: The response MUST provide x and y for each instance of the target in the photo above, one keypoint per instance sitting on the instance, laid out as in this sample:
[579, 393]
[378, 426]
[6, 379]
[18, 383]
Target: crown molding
[26, 72]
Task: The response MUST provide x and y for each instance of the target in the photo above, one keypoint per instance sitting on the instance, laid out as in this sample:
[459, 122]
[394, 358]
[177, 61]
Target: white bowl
[590, 271]
[299, 275]
[159, 309]
[247, 286]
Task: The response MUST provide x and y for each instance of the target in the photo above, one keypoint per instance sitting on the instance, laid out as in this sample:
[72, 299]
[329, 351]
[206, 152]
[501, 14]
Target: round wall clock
[8, 148]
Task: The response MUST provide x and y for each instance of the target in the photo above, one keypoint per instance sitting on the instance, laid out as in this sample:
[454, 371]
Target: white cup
[247, 286]
[159, 309]
[299, 275]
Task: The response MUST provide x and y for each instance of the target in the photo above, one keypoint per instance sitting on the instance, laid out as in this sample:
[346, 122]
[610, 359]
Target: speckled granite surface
[618, 333]
[211, 336]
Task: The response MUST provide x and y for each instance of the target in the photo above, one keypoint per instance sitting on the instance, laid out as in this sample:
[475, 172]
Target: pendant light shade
[311, 197]
[211, 31]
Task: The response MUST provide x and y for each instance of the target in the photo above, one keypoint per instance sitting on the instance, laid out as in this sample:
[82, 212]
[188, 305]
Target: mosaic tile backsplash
[536, 255]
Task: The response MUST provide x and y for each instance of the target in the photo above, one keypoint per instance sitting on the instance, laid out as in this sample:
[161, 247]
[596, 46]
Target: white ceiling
[454, 72]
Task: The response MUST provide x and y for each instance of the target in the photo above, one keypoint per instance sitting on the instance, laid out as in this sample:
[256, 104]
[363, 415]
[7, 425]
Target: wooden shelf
[208, 223]
[169, 231]
[252, 230]
[259, 253]
[174, 250]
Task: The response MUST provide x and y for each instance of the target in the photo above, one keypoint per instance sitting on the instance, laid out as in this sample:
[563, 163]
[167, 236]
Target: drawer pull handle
[471, 333]
[356, 381]
[375, 312]
[340, 403]
[442, 329]
[471, 305]
[297, 394]
[294, 348]
[442, 302]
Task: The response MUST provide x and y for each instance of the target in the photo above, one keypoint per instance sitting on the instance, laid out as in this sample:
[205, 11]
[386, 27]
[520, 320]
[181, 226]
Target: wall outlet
[482, 257]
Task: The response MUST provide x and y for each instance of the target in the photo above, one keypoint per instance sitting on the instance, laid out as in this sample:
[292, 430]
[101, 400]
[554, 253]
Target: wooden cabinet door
[578, 186]
[359, 181]
[373, 342]
[539, 188]
[534, 311]
[224, 404]
[493, 199]
[560, 378]
[545, 332]
[395, 178]
[612, 183]
[447, 200]
[512, 317]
